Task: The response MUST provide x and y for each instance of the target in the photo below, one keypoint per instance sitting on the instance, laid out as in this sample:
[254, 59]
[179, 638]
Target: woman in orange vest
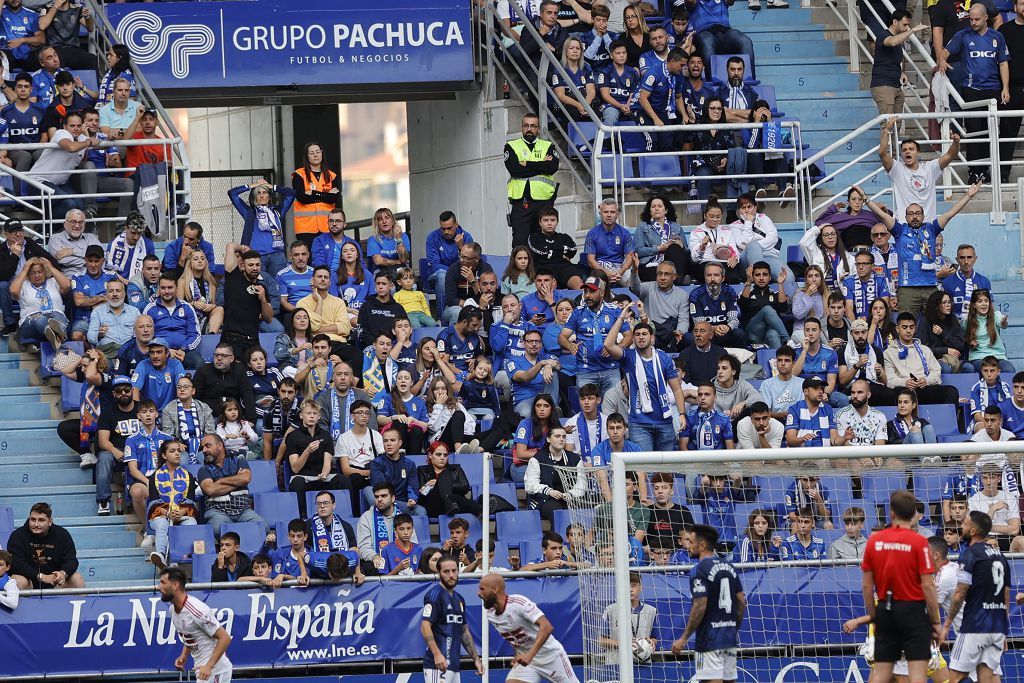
[317, 191]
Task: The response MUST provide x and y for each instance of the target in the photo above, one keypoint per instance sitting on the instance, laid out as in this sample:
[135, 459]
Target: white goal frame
[649, 461]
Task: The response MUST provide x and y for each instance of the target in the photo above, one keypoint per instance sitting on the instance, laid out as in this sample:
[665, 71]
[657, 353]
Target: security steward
[898, 572]
[531, 164]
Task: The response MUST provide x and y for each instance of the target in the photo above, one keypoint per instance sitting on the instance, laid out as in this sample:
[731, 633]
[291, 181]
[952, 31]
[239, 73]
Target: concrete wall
[455, 163]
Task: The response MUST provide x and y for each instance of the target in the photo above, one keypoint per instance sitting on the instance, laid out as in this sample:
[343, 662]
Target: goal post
[774, 473]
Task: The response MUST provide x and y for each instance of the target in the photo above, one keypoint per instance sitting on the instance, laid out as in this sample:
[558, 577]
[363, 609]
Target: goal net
[794, 522]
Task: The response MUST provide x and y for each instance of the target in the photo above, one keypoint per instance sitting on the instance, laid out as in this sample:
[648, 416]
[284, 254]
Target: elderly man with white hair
[69, 246]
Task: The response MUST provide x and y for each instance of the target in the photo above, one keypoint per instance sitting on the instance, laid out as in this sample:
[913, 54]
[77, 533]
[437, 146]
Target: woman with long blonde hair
[388, 248]
[198, 287]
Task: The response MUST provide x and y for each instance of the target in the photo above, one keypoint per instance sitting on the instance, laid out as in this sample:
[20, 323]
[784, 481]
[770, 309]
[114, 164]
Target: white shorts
[555, 668]
[974, 649]
[224, 677]
[716, 665]
[438, 676]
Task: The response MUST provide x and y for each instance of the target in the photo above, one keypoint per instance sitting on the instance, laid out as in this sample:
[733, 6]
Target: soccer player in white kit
[519, 621]
[201, 634]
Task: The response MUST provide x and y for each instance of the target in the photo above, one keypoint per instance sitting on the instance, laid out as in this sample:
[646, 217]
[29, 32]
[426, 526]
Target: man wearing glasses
[223, 379]
[531, 164]
[68, 247]
[463, 283]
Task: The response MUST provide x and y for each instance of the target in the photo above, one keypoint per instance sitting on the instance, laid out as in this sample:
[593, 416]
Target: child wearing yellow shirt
[412, 300]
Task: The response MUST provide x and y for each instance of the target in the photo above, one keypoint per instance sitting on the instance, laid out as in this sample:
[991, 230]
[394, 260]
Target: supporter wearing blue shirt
[21, 121]
[716, 582]
[442, 252]
[718, 306]
[506, 335]
[388, 247]
[156, 378]
[597, 42]
[984, 53]
[295, 281]
[263, 220]
[807, 493]
[715, 36]
[988, 391]
[326, 250]
[402, 555]
[961, 284]
[176, 253]
[1013, 408]
[609, 246]
[680, 32]
[44, 84]
[718, 495]
[535, 308]
[862, 289]
[21, 24]
[803, 544]
[290, 562]
[591, 323]
[652, 385]
[575, 88]
[88, 290]
[176, 323]
[821, 362]
[914, 242]
[393, 467]
[535, 372]
[691, 87]
[738, 95]
[811, 422]
[658, 53]
[461, 342]
[616, 84]
[126, 253]
[707, 428]
[654, 102]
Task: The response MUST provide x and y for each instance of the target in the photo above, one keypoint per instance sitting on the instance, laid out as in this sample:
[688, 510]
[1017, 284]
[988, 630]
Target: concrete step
[26, 410]
[800, 46]
[125, 570]
[66, 501]
[13, 377]
[791, 32]
[789, 86]
[31, 441]
[742, 18]
[68, 459]
[43, 476]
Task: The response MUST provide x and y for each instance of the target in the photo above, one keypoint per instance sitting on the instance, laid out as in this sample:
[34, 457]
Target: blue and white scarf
[905, 350]
[650, 382]
[191, 431]
[863, 295]
[381, 532]
[268, 220]
[325, 540]
[341, 422]
[584, 435]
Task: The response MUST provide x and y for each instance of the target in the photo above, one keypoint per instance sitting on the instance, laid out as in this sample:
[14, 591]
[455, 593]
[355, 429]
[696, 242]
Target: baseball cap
[859, 324]
[593, 283]
[149, 112]
[94, 250]
[13, 225]
[160, 341]
[809, 383]
[121, 379]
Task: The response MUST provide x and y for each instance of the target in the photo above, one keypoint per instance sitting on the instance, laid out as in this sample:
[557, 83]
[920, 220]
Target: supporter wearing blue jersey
[718, 495]
[21, 121]
[988, 391]
[591, 323]
[707, 428]
[505, 337]
[680, 32]
[598, 41]
[961, 284]
[820, 361]
[1013, 408]
[443, 626]
[803, 544]
[295, 281]
[127, 251]
[389, 247]
[21, 29]
[156, 377]
[811, 422]
[538, 308]
[461, 342]
[806, 492]
[441, 251]
[914, 242]
[535, 372]
[609, 247]
[985, 59]
[176, 323]
[616, 84]
[402, 555]
[290, 563]
[89, 290]
[691, 87]
[652, 382]
[654, 102]
[716, 613]
[715, 36]
[658, 54]
[718, 306]
[983, 590]
[578, 88]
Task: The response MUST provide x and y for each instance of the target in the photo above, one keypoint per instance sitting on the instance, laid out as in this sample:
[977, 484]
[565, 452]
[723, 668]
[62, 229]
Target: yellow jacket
[412, 301]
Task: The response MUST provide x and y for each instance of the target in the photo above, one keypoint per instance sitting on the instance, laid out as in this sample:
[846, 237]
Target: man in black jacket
[702, 358]
[231, 563]
[223, 379]
[14, 252]
[378, 313]
[44, 553]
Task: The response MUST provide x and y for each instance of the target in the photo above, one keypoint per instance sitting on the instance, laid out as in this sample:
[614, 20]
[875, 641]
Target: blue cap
[159, 341]
[122, 379]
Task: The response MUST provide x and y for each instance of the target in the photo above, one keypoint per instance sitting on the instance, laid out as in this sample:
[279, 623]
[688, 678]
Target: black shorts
[905, 629]
[565, 271]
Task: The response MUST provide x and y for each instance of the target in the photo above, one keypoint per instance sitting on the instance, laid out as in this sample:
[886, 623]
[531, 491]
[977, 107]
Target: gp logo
[148, 40]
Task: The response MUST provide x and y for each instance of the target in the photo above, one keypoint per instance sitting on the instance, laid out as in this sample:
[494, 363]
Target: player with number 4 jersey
[716, 612]
[983, 588]
[519, 621]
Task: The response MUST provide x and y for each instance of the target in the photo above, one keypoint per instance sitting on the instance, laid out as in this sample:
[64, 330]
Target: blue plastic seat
[250, 533]
[342, 502]
[264, 476]
[612, 166]
[475, 530]
[474, 465]
[267, 340]
[202, 567]
[563, 518]
[276, 507]
[660, 170]
[963, 383]
[878, 485]
[421, 527]
[518, 526]
[581, 136]
[840, 489]
[421, 333]
[942, 418]
[720, 72]
[182, 541]
[47, 354]
[207, 343]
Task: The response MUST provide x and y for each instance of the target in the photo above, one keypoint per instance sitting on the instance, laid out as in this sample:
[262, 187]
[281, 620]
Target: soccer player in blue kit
[983, 589]
[716, 612]
[443, 626]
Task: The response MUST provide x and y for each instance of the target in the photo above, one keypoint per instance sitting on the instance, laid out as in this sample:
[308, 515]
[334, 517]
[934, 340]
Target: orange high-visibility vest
[312, 218]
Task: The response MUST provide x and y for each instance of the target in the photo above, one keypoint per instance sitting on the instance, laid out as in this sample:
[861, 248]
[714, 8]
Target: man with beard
[155, 377]
[328, 532]
[860, 362]
[739, 96]
[224, 481]
[911, 365]
[116, 424]
[44, 553]
[327, 246]
[531, 164]
[518, 620]
[443, 626]
[592, 323]
[246, 301]
[858, 424]
[112, 322]
[718, 306]
[820, 362]
[442, 252]
[201, 634]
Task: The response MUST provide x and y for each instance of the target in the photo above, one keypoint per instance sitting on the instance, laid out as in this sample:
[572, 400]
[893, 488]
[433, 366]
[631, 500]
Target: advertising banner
[267, 43]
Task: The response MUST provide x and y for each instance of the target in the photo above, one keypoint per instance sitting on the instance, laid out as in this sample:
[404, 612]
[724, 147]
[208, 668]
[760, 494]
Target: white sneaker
[103, 508]
[755, 5]
[778, 4]
[157, 560]
[148, 542]
[88, 460]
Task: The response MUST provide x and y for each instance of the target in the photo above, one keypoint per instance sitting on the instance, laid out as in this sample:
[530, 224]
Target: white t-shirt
[196, 627]
[945, 586]
[359, 449]
[866, 430]
[54, 164]
[34, 300]
[979, 502]
[518, 625]
[914, 187]
[746, 435]
[531, 8]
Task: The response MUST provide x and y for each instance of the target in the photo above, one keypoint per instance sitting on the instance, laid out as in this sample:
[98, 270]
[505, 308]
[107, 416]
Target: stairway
[35, 466]
[813, 83]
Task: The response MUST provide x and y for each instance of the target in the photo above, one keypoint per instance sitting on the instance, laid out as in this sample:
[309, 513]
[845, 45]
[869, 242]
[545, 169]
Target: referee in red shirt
[898, 570]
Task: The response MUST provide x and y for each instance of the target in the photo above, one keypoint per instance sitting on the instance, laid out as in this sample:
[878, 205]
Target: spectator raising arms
[263, 215]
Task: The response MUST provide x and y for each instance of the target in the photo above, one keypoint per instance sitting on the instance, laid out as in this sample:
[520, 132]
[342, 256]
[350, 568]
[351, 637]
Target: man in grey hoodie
[851, 545]
[734, 395]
